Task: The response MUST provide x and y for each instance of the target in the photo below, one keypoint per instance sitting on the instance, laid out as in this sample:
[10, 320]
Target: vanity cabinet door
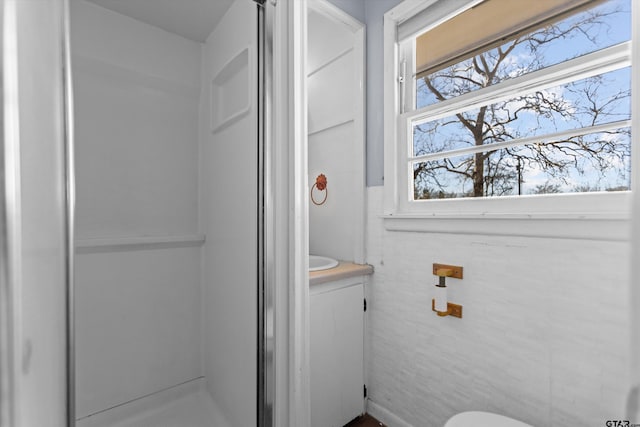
[337, 352]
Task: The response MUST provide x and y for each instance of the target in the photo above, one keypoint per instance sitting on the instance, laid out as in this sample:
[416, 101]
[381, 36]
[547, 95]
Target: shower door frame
[284, 365]
[15, 345]
[265, 393]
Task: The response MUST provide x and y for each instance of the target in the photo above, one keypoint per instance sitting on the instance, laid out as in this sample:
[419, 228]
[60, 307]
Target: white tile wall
[544, 337]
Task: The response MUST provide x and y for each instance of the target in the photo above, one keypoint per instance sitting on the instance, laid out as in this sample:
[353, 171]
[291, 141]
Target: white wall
[228, 162]
[138, 306]
[336, 148]
[544, 337]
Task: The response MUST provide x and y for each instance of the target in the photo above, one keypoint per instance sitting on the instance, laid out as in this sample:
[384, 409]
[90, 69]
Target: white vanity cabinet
[337, 352]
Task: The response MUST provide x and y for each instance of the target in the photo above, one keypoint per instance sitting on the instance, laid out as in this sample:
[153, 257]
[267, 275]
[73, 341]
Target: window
[500, 108]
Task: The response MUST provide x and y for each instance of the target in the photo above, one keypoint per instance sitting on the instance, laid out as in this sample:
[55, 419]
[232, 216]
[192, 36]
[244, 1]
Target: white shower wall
[228, 194]
[137, 122]
[137, 305]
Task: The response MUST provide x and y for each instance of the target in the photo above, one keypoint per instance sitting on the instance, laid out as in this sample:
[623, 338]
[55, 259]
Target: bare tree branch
[578, 104]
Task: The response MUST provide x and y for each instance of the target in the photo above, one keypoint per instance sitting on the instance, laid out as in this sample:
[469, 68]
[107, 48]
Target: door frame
[290, 213]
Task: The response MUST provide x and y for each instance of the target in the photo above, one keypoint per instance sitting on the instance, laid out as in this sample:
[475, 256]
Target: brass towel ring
[320, 185]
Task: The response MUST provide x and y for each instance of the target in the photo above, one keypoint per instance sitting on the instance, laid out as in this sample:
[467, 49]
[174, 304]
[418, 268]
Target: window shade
[483, 25]
[432, 12]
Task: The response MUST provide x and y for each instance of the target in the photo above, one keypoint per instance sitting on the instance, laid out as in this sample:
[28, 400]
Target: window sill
[608, 226]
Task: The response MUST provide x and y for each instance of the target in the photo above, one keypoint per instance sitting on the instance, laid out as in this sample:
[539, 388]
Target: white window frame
[568, 211]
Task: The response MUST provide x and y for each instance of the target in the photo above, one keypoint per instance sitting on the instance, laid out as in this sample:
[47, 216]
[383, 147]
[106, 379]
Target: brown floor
[365, 421]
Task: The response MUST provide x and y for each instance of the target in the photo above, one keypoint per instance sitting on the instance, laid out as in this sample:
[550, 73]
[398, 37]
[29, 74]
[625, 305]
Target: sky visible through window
[584, 163]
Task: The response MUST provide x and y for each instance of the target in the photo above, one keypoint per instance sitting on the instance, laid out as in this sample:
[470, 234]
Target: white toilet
[483, 419]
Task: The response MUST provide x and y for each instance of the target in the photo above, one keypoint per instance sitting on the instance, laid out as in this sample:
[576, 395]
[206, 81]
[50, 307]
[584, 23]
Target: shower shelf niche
[230, 92]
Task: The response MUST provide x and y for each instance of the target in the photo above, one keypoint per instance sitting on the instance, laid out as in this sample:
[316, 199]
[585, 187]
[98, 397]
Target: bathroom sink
[317, 263]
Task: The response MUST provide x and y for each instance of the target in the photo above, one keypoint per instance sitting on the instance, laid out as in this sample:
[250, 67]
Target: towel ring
[320, 185]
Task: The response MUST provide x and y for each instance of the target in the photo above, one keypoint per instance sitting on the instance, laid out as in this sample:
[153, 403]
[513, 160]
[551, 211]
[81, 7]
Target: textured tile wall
[544, 338]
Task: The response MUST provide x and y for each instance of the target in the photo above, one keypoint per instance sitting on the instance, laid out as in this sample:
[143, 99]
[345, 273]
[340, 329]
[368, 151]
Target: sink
[317, 263]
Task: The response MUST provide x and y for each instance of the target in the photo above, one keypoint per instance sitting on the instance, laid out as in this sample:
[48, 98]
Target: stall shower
[166, 227]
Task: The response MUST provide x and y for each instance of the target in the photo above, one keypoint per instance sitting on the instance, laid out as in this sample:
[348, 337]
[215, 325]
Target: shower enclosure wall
[140, 253]
[166, 132]
[138, 256]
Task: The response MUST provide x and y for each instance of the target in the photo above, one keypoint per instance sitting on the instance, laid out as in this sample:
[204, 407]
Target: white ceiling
[193, 19]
